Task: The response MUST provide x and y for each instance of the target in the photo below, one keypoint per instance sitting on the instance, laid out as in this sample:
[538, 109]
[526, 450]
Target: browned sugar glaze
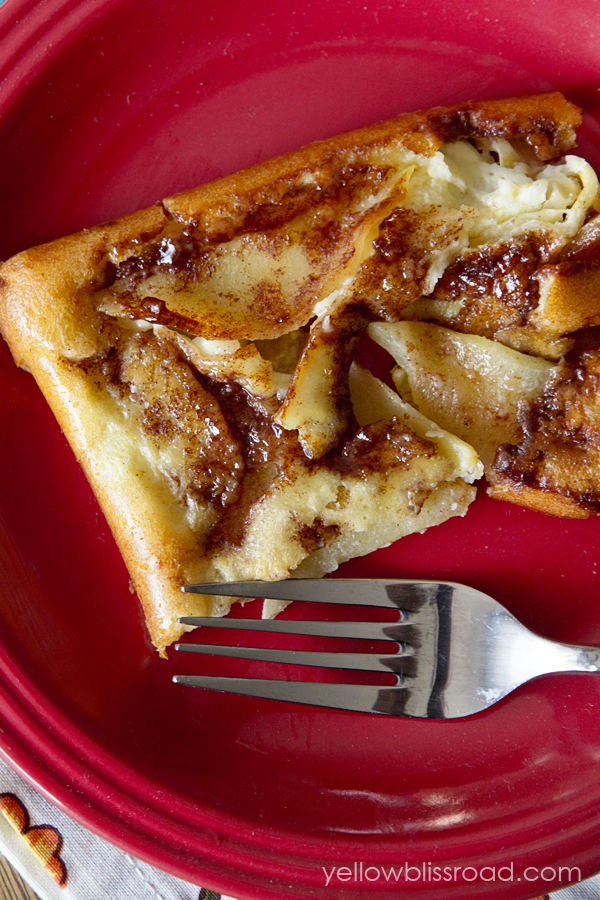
[231, 443]
[560, 450]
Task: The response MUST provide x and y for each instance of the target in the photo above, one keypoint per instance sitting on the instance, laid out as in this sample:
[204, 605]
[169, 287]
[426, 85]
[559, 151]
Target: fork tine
[397, 593]
[400, 632]
[290, 589]
[399, 663]
[389, 701]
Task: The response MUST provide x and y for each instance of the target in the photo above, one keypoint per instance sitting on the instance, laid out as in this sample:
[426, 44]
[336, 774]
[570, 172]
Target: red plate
[105, 106]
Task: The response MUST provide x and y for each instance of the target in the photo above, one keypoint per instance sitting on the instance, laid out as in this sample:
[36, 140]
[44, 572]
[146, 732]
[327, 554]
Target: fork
[454, 650]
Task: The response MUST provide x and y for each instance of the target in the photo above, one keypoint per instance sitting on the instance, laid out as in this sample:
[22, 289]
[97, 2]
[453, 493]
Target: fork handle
[571, 658]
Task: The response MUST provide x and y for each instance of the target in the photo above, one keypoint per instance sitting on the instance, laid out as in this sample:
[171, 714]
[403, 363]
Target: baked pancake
[202, 355]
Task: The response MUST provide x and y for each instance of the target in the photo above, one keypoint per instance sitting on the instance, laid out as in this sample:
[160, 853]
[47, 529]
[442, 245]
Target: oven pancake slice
[200, 355]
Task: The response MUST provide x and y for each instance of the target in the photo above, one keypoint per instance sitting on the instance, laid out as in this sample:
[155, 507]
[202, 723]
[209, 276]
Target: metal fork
[455, 651]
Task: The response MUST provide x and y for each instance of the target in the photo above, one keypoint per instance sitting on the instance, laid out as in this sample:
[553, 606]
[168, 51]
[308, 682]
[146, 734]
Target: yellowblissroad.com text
[406, 873]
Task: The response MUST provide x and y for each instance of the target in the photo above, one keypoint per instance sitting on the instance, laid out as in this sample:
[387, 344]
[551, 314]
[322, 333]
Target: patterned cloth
[61, 860]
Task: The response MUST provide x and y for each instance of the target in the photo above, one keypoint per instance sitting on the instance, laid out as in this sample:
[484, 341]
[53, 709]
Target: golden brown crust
[569, 296]
[545, 501]
[547, 121]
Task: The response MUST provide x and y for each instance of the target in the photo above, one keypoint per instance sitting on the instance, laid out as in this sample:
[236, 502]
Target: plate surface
[105, 106]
